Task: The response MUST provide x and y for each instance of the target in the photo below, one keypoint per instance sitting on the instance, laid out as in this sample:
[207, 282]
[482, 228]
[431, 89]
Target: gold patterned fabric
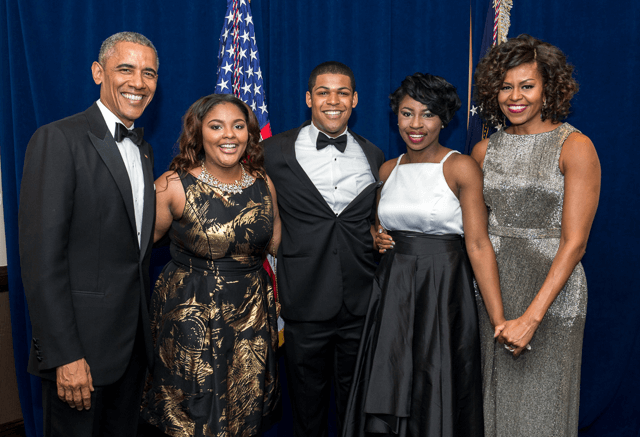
[214, 319]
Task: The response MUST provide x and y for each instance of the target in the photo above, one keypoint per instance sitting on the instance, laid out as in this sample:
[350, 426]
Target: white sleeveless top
[416, 198]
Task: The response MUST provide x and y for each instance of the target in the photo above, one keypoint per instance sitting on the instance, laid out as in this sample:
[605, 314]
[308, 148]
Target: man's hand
[75, 384]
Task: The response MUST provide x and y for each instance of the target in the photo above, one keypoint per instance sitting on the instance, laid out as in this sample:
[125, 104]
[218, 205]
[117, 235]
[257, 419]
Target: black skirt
[418, 366]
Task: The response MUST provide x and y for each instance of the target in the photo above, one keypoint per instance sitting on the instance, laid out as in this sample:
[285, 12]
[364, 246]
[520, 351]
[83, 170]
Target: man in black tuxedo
[326, 178]
[87, 206]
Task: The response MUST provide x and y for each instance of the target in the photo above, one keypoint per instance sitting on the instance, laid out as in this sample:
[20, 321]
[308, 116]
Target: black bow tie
[323, 141]
[134, 135]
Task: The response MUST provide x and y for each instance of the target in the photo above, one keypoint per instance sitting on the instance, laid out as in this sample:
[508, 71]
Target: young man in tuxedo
[326, 178]
[87, 206]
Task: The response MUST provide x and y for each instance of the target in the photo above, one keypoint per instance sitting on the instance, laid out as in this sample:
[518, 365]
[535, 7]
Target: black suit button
[36, 347]
[39, 358]
[335, 251]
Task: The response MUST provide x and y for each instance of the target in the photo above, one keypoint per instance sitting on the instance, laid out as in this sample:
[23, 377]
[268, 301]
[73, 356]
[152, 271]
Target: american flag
[239, 64]
[239, 74]
[477, 130]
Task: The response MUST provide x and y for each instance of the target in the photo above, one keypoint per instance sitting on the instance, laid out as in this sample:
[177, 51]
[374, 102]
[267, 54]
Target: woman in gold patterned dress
[213, 311]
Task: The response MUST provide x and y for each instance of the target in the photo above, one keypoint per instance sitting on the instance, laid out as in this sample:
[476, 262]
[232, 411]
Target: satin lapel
[289, 154]
[148, 214]
[106, 147]
[369, 153]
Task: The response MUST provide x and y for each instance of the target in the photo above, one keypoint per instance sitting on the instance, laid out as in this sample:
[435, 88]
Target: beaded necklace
[235, 188]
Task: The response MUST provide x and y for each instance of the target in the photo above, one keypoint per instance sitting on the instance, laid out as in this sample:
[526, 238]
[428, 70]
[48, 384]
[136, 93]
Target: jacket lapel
[148, 215]
[106, 147]
[289, 154]
[369, 153]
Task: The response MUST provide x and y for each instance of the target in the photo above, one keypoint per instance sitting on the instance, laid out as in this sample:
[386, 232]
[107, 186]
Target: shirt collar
[110, 118]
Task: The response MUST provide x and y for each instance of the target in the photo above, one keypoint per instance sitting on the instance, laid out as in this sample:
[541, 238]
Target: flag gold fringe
[504, 20]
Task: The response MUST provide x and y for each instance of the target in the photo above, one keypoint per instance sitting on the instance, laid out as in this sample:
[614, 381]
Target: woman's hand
[516, 334]
[498, 328]
[383, 240]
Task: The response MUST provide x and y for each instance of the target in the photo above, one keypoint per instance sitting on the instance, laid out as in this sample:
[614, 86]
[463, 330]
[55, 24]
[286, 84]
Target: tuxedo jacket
[324, 259]
[85, 276]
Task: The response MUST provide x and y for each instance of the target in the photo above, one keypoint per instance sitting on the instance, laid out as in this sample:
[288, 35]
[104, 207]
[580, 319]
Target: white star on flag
[227, 68]
[223, 85]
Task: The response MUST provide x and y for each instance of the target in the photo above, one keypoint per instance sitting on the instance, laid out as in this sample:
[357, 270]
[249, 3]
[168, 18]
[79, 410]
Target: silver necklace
[235, 188]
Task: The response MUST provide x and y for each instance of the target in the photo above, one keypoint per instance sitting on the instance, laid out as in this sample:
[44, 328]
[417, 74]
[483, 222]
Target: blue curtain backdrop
[46, 50]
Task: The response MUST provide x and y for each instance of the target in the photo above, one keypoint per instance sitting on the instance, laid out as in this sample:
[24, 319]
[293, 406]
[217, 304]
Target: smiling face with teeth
[127, 80]
[521, 98]
[331, 101]
[419, 127]
[224, 140]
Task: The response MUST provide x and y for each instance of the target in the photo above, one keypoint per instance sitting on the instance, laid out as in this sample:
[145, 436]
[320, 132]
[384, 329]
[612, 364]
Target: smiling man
[87, 206]
[326, 178]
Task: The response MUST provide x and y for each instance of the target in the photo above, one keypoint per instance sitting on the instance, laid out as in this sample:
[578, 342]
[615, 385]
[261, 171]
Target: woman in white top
[418, 369]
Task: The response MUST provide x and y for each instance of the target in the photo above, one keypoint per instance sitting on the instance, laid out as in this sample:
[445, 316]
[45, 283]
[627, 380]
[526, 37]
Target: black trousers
[114, 408]
[317, 353]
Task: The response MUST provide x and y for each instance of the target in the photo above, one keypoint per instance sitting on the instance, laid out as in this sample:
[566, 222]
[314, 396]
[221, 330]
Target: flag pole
[470, 64]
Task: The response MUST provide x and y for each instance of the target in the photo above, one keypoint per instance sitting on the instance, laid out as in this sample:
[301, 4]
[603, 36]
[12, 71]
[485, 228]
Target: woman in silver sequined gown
[541, 185]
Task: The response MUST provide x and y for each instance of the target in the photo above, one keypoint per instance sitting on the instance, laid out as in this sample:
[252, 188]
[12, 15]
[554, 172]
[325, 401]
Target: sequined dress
[214, 318]
[418, 367]
[538, 393]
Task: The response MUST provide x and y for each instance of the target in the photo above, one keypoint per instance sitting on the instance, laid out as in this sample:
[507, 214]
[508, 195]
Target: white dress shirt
[339, 177]
[131, 156]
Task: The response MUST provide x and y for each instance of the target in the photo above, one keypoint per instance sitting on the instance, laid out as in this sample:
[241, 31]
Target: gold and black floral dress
[213, 318]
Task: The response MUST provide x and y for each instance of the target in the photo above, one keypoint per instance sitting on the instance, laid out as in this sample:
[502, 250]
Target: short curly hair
[433, 91]
[190, 143]
[557, 76]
